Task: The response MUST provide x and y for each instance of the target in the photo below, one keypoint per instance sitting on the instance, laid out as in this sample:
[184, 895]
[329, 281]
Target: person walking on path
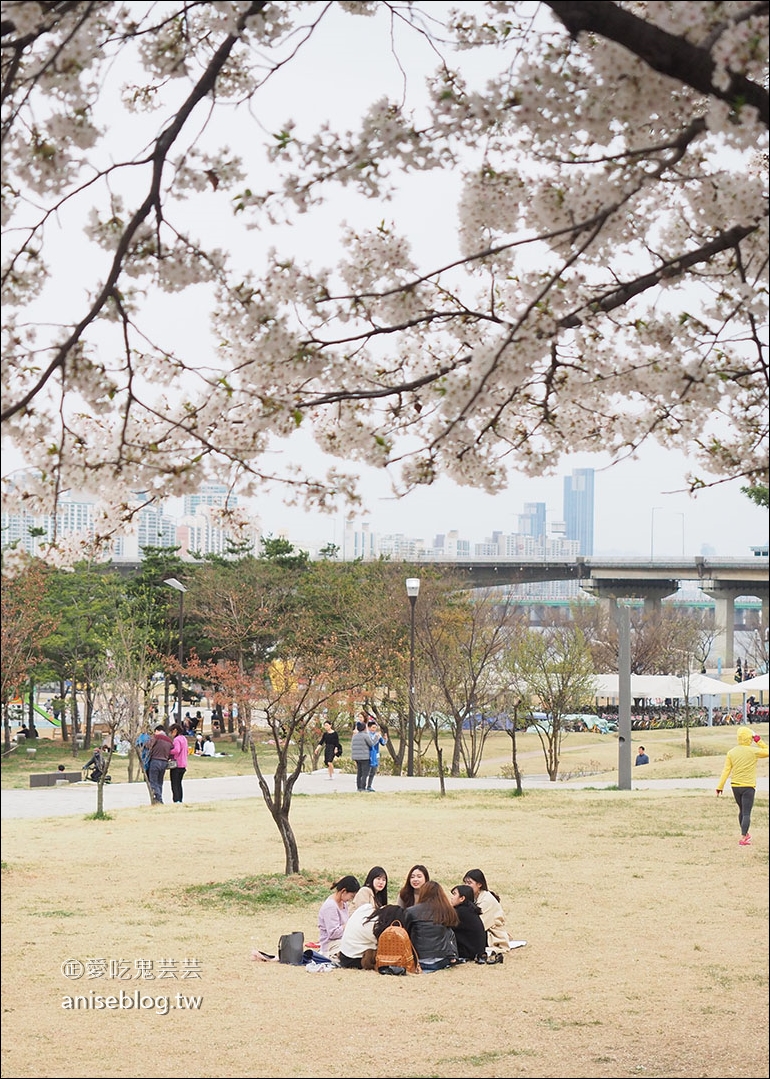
[157, 762]
[741, 768]
[178, 755]
[330, 740]
[374, 752]
[360, 746]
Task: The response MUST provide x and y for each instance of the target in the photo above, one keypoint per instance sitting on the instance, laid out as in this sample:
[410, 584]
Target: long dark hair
[478, 876]
[469, 898]
[383, 917]
[406, 896]
[380, 898]
[433, 896]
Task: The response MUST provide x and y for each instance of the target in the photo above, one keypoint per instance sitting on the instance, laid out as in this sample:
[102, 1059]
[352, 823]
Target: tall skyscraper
[579, 508]
[532, 520]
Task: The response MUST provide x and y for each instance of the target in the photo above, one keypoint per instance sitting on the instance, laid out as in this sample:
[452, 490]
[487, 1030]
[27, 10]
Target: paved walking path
[80, 798]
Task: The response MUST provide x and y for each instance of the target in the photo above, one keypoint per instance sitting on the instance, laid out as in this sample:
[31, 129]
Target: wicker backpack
[395, 949]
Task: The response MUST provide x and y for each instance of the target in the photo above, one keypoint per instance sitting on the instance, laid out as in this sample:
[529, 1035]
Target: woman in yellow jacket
[741, 766]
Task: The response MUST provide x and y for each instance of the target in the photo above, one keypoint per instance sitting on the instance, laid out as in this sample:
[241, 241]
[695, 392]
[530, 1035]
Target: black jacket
[470, 934]
[430, 940]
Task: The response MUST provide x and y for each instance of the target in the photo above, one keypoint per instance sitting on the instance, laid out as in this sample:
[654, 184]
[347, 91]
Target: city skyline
[642, 506]
[652, 530]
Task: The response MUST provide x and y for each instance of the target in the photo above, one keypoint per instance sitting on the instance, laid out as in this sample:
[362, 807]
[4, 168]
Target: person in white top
[209, 749]
[357, 936]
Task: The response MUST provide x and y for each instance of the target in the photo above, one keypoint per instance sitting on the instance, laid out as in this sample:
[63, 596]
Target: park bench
[50, 779]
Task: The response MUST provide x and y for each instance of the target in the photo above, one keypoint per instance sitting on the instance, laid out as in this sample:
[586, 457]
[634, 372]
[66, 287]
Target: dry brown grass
[646, 922]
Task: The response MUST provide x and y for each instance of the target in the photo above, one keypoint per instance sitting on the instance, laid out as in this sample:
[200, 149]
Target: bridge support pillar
[651, 592]
[724, 598]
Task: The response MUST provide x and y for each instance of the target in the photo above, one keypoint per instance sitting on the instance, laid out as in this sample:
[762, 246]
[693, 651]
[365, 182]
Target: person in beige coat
[492, 916]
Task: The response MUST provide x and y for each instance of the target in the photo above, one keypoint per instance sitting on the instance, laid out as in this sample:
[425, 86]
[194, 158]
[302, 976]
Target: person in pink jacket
[333, 915]
[177, 754]
[741, 768]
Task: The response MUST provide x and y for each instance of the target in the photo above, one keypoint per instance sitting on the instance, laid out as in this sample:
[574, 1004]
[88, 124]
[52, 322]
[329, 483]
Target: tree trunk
[552, 757]
[74, 715]
[89, 716]
[6, 730]
[456, 749]
[289, 843]
[279, 805]
[396, 755]
[440, 756]
[63, 713]
[31, 711]
[514, 755]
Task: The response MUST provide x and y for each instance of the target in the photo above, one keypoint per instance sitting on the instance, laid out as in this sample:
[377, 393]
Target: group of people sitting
[191, 725]
[204, 746]
[464, 925]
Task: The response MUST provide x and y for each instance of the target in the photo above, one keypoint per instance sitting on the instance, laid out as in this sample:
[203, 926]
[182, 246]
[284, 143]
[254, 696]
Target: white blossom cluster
[608, 282]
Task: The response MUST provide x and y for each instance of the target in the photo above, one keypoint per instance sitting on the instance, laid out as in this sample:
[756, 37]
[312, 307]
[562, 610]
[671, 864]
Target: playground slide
[51, 719]
[42, 712]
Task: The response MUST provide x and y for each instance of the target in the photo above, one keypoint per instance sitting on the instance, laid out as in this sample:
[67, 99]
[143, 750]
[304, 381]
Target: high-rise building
[579, 508]
[532, 520]
[209, 494]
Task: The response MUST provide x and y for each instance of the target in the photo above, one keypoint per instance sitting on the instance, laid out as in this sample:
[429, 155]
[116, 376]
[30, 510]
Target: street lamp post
[172, 582]
[412, 591]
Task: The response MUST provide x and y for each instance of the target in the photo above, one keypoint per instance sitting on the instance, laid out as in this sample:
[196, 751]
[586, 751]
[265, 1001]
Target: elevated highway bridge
[723, 579]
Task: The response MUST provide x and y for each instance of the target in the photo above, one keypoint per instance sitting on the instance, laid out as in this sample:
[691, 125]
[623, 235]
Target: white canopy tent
[760, 684]
[662, 686]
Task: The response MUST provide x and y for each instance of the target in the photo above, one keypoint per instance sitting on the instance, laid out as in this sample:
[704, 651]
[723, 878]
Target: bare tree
[122, 683]
[291, 705]
[553, 668]
[464, 641]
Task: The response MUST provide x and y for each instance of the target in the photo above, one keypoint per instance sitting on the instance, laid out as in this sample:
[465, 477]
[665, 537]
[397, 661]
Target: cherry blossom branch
[665, 53]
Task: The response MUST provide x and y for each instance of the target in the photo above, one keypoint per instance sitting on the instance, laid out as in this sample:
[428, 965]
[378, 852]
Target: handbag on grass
[291, 947]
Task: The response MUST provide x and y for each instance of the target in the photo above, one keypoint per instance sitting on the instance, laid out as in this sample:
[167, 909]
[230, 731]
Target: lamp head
[412, 587]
